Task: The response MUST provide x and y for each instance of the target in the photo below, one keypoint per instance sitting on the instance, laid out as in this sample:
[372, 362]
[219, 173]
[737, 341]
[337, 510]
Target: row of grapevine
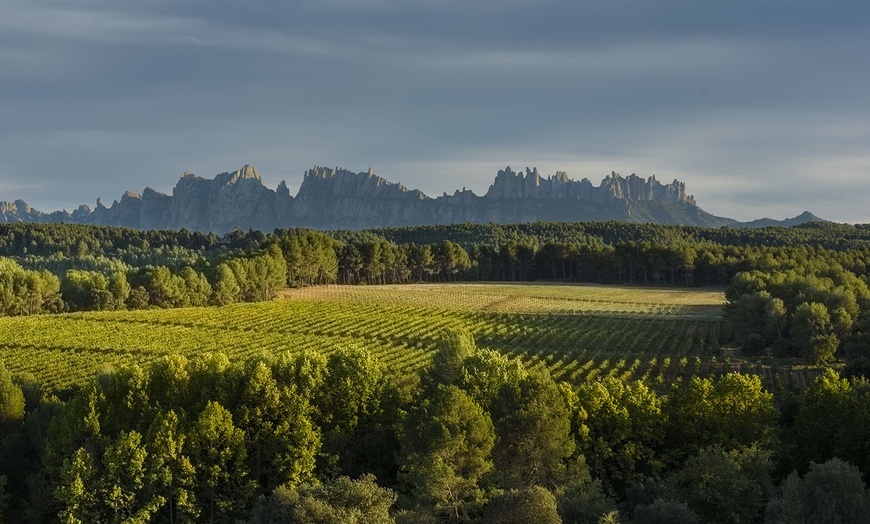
[64, 350]
[519, 299]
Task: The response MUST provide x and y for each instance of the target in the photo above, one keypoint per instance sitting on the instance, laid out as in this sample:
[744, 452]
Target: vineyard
[528, 298]
[577, 332]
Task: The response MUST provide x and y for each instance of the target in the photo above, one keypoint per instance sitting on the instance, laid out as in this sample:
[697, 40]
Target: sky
[762, 107]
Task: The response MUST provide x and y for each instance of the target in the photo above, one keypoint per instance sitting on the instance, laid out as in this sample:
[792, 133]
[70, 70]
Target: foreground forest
[475, 437]
[467, 434]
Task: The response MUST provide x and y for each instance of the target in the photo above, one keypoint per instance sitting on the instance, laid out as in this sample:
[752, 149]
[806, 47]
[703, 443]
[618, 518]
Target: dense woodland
[610, 252]
[476, 437]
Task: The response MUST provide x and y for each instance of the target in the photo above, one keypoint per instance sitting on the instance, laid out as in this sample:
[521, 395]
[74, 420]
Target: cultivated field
[577, 332]
[528, 298]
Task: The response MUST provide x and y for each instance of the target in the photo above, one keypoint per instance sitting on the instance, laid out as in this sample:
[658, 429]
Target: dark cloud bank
[760, 107]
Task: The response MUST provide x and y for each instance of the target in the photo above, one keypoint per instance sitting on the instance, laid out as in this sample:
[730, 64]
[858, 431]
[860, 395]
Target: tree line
[242, 277]
[475, 437]
[816, 310]
[175, 268]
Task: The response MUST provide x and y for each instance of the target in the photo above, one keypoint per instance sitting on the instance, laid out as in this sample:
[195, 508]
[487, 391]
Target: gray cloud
[759, 106]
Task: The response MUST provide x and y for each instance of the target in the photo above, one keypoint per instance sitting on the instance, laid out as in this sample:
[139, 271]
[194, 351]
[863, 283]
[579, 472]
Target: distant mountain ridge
[341, 199]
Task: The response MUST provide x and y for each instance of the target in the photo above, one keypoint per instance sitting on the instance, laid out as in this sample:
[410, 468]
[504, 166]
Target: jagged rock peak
[15, 208]
[282, 189]
[248, 172]
[510, 185]
[321, 182]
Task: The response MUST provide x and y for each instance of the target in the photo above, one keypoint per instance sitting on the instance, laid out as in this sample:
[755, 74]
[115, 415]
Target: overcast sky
[762, 107]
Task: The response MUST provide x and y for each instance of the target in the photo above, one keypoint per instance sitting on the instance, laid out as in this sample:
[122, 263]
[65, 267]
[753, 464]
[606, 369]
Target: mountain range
[341, 199]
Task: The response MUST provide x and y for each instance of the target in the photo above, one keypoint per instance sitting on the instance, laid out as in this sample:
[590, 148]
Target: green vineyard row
[62, 351]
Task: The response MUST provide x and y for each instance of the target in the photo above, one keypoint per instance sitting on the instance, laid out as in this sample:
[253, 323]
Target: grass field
[577, 332]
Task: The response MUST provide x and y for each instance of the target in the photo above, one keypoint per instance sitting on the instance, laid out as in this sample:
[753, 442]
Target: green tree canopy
[445, 451]
[625, 431]
[733, 411]
[831, 492]
[727, 487]
[664, 511]
[531, 504]
[813, 334]
[339, 501]
[533, 433]
[11, 400]
[218, 455]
